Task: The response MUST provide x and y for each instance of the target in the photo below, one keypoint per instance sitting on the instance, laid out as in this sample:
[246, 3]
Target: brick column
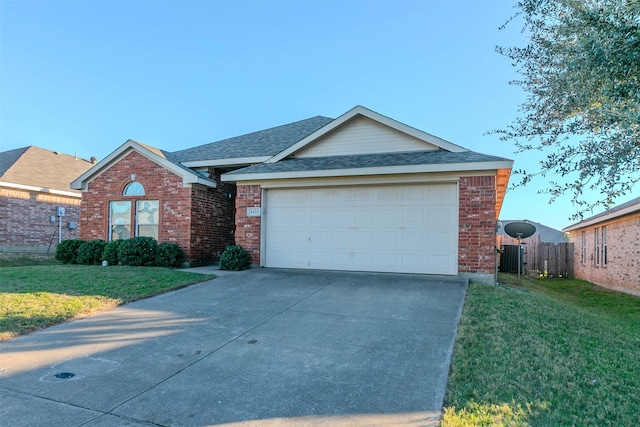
[248, 228]
[476, 227]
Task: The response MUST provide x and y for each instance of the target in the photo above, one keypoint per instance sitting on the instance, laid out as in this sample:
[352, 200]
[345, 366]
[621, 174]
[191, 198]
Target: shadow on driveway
[263, 347]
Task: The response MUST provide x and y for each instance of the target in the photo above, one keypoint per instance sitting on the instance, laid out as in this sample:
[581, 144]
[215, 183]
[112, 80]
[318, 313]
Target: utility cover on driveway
[254, 348]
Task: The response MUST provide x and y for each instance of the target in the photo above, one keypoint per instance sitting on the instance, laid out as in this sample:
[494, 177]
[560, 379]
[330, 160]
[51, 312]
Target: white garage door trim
[409, 228]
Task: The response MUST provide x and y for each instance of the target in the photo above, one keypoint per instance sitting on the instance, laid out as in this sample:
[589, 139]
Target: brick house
[34, 183]
[361, 192]
[607, 248]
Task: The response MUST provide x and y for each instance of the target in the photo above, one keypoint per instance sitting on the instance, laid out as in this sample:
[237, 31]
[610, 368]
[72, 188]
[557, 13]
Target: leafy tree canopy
[581, 73]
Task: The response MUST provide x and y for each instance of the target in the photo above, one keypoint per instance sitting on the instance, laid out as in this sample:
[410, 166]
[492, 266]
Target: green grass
[547, 352]
[37, 296]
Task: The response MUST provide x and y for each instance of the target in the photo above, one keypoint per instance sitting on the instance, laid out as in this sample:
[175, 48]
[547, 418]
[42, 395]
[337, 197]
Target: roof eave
[231, 162]
[380, 170]
[40, 189]
[603, 218]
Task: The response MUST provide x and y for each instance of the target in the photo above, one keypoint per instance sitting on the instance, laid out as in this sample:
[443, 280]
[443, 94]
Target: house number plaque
[253, 211]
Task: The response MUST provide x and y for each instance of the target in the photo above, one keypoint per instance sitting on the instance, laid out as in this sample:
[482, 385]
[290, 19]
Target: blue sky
[83, 77]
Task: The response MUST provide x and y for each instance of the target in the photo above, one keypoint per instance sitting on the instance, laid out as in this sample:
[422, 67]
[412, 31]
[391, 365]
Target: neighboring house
[34, 183]
[543, 233]
[361, 192]
[607, 248]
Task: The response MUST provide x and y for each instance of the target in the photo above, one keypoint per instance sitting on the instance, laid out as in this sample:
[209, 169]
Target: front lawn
[37, 296]
[548, 352]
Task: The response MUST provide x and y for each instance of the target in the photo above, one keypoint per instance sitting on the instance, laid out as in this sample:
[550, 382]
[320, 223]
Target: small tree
[581, 72]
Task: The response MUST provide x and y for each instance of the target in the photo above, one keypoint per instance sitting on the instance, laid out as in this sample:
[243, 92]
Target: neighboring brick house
[607, 248]
[361, 192]
[34, 183]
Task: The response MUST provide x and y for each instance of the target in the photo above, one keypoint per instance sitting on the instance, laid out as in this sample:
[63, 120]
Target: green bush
[235, 258]
[138, 251]
[90, 253]
[170, 255]
[110, 253]
[67, 251]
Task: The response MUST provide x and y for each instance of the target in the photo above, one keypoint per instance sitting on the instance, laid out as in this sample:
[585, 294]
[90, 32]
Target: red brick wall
[622, 271]
[24, 220]
[476, 225]
[198, 218]
[248, 228]
[212, 224]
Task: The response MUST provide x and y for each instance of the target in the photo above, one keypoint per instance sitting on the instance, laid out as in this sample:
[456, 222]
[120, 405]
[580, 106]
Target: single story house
[607, 247]
[361, 192]
[34, 184]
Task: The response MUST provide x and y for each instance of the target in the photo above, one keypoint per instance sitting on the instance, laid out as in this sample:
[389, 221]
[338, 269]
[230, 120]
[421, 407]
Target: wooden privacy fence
[539, 259]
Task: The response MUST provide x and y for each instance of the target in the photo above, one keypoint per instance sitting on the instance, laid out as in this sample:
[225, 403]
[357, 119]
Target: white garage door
[400, 228]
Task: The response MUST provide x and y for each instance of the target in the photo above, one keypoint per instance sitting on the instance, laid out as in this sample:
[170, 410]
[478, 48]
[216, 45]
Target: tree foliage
[581, 72]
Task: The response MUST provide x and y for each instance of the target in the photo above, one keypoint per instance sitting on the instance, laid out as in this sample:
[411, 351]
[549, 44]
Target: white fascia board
[607, 217]
[40, 189]
[236, 161]
[187, 180]
[382, 170]
[362, 111]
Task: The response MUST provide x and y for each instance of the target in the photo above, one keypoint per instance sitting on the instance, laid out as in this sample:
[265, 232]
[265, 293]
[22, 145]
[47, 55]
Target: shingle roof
[37, 167]
[547, 234]
[267, 142]
[368, 161]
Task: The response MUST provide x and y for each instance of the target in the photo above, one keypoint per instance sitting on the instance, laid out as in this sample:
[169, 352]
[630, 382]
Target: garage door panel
[410, 228]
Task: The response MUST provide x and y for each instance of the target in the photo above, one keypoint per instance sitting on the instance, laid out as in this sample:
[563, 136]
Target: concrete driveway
[263, 347]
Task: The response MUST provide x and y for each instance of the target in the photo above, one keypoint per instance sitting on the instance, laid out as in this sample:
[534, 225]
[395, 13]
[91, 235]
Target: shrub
[110, 253]
[90, 253]
[67, 251]
[235, 258]
[170, 255]
[138, 251]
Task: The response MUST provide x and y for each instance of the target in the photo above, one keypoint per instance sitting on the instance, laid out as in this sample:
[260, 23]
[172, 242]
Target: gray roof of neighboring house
[36, 167]
[368, 161]
[268, 142]
[547, 234]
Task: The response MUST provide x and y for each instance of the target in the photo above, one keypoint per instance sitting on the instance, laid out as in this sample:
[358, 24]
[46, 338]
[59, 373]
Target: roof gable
[41, 169]
[363, 135]
[354, 115]
[154, 154]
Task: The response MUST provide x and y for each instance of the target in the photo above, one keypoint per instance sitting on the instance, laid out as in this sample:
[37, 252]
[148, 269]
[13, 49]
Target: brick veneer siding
[477, 221]
[212, 222]
[248, 228]
[188, 215]
[24, 220]
[622, 271]
[477, 225]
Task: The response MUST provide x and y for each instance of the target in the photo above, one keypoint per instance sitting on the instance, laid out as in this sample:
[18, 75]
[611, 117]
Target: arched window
[133, 189]
[136, 216]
